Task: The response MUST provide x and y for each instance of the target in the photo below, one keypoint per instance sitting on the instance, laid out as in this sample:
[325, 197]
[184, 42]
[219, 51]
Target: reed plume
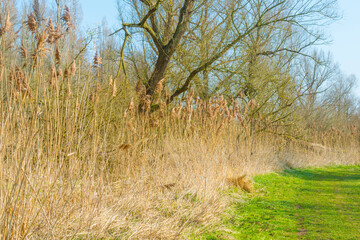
[32, 23]
[51, 32]
[57, 55]
[73, 69]
[97, 60]
[19, 81]
[140, 89]
[53, 77]
[159, 87]
[66, 17]
[7, 25]
[40, 50]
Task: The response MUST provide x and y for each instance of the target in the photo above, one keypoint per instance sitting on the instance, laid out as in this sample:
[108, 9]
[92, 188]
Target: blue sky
[345, 33]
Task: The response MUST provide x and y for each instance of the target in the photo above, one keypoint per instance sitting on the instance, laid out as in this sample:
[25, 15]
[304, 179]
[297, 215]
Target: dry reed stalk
[53, 78]
[23, 51]
[114, 89]
[7, 26]
[73, 69]
[68, 88]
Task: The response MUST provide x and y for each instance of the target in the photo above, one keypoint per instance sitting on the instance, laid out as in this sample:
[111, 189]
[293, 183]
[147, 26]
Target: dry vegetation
[77, 160]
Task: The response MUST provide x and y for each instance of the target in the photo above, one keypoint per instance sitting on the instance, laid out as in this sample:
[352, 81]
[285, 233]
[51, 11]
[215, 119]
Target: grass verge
[321, 203]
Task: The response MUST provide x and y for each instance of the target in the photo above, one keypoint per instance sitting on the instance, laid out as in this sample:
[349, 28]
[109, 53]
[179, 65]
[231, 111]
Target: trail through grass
[299, 204]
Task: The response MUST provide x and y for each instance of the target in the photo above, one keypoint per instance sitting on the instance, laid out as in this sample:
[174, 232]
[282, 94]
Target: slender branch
[150, 12]
[185, 86]
[155, 37]
[185, 13]
[122, 62]
[80, 52]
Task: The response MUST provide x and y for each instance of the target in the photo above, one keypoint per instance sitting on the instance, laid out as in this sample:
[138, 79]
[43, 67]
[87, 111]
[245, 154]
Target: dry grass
[71, 171]
[75, 161]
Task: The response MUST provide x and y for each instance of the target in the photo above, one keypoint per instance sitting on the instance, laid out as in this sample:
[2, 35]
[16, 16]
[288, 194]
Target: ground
[298, 204]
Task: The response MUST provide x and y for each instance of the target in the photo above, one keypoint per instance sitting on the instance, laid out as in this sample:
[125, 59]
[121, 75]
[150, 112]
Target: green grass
[298, 204]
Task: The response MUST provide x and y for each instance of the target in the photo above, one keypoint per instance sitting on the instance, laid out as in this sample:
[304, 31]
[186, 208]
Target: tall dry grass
[78, 161]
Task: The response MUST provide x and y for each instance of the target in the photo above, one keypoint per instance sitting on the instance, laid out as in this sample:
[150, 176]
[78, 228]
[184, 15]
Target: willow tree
[210, 42]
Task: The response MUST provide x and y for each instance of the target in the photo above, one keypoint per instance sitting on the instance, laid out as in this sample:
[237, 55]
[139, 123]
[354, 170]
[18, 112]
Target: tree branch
[184, 17]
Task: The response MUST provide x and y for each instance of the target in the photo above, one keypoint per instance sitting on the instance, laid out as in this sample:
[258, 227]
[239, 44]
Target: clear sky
[345, 33]
[346, 39]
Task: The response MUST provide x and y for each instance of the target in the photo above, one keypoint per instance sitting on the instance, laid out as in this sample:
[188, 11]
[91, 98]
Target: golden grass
[72, 167]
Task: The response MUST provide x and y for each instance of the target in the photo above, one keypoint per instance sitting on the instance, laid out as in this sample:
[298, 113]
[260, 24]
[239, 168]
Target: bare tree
[223, 38]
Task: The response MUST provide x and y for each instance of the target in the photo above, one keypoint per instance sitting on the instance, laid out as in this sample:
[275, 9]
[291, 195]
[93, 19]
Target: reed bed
[78, 160]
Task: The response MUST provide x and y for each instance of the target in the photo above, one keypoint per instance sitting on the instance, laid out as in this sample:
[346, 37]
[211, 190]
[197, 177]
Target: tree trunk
[158, 73]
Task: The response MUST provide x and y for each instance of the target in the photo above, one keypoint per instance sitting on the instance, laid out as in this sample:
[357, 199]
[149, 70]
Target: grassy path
[299, 204]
